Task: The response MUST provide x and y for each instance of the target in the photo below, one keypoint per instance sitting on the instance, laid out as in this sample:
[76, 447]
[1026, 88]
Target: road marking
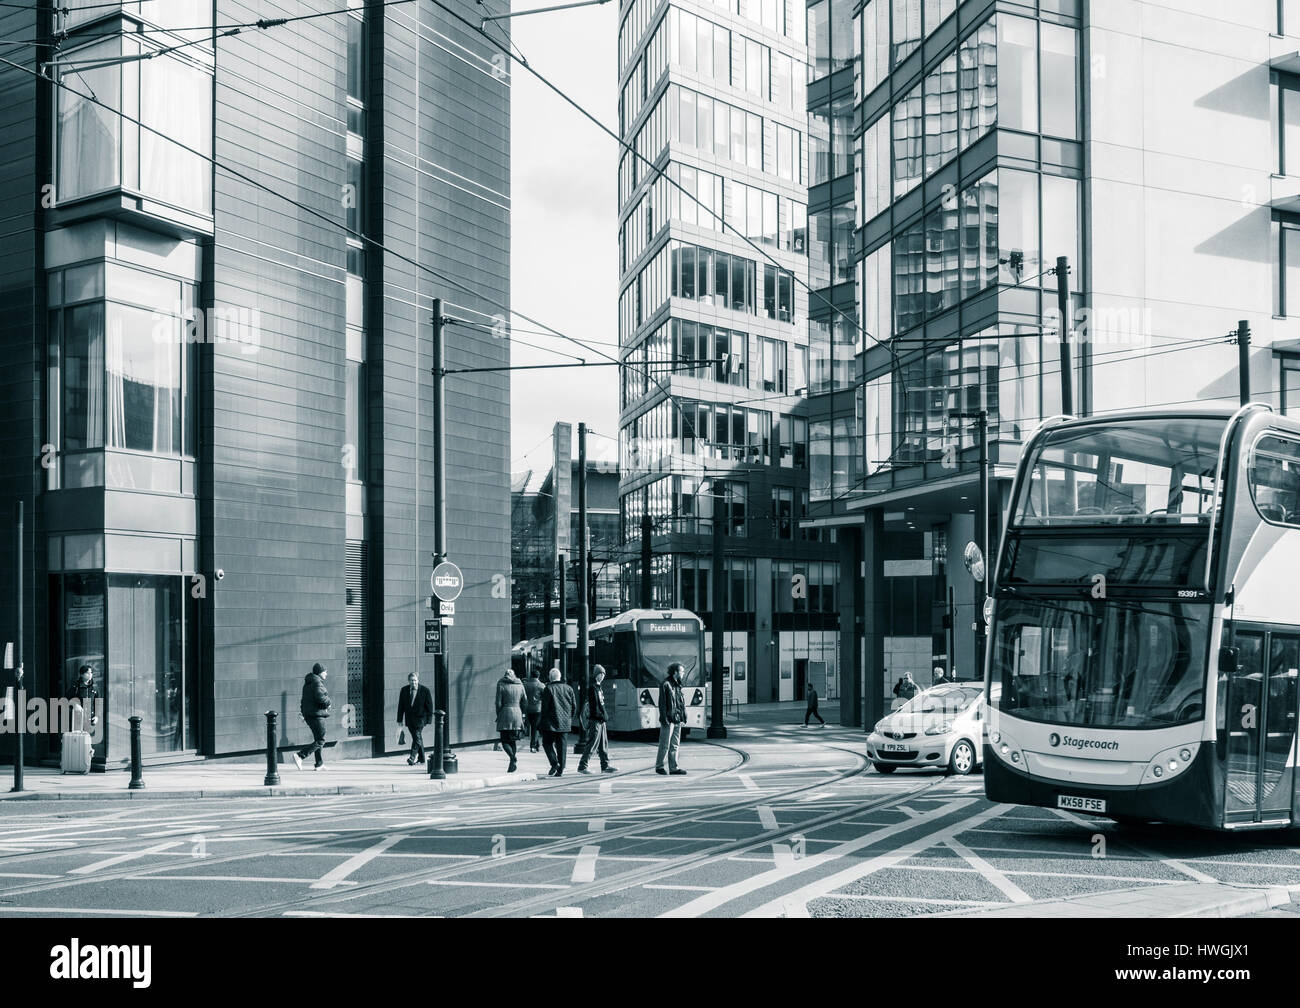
[793, 908]
[872, 898]
[496, 885]
[734, 891]
[783, 855]
[26, 875]
[748, 781]
[332, 878]
[1172, 863]
[584, 869]
[90, 912]
[909, 812]
[829, 884]
[321, 913]
[90, 869]
[596, 826]
[767, 819]
[568, 911]
[991, 874]
[606, 787]
[222, 878]
[680, 888]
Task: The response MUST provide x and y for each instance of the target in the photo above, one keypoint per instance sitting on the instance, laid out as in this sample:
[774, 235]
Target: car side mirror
[1228, 660]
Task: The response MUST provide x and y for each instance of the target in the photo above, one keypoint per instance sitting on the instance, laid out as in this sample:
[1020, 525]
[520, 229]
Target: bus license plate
[1066, 801]
[893, 747]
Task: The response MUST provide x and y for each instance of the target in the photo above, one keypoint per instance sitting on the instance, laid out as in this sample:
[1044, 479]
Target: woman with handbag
[510, 715]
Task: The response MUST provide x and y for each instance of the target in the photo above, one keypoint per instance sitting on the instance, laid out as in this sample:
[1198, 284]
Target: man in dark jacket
[415, 710]
[559, 706]
[812, 707]
[533, 709]
[672, 715]
[597, 736]
[315, 709]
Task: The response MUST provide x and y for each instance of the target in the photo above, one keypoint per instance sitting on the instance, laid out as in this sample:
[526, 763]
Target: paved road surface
[780, 820]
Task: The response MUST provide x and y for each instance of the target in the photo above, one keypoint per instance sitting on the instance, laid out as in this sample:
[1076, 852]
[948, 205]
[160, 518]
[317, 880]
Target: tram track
[298, 817]
[314, 902]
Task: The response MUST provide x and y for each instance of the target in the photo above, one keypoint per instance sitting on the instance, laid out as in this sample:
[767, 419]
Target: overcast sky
[564, 225]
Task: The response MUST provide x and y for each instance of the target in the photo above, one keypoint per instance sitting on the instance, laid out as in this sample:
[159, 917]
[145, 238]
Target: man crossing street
[597, 736]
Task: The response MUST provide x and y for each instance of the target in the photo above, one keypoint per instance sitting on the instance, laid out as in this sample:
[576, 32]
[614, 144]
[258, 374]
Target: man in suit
[597, 735]
[559, 706]
[415, 710]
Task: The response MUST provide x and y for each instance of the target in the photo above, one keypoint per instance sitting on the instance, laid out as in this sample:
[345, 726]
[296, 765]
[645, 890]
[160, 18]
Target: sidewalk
[1190, 899]
[480, 767]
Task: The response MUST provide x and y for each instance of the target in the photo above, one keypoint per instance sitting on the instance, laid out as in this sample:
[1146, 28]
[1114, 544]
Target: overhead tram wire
[333, 222]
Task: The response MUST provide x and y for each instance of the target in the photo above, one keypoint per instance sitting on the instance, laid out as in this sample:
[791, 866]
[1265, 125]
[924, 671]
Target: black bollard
[137, 778]
[272, 769]
[436, 771]
[21, 715]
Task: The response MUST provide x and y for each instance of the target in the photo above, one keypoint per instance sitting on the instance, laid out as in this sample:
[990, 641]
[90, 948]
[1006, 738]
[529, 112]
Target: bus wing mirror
[974, 560]
[1228, 660]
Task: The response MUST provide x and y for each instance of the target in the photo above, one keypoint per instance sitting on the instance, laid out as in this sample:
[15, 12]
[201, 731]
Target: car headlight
[939, 729]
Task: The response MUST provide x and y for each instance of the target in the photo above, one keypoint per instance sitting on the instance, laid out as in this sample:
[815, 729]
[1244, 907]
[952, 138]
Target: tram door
[1261, 727]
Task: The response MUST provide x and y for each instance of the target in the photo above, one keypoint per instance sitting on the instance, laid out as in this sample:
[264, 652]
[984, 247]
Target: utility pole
[20, 715]
[584, 557]
[1242, 339]
[1063, 305]
[717, 730]
[981, 627]
[646, 526]
[446, 761]
[562, 643]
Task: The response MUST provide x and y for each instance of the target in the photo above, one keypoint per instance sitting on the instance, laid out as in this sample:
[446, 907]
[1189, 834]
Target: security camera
[220, 573]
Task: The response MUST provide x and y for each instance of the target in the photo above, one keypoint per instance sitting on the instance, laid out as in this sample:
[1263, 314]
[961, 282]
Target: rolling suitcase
[76, 753]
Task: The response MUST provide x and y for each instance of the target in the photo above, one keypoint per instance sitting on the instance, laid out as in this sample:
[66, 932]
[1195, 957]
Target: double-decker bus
[1144, 638]
[635, 647]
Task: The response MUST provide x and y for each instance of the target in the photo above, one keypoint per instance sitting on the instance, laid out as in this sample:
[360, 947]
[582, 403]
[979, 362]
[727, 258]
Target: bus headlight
[1171, 762]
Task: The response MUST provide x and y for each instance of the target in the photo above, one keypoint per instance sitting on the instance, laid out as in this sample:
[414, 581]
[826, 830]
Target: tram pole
[1243, 359]
[582, 573]
[1063, 306]
[562, 643]
[717, 730]
[20, 715]
[980, 625]
[646, 526]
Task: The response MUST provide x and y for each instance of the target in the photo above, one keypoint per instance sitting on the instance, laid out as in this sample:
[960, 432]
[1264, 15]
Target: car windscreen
[941, 700]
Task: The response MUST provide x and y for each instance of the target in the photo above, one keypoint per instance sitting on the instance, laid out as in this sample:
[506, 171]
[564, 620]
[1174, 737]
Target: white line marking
[1177, 866]
[495, 885]
[748, 781]
[829, 884]
[319, 913]
[332, 878]
[911, 813]
[783, 856]
[680, 888]
[867, 898]
[26, 875]
[91, 869]
[606, 787]
[584, 869]
[991, 874]
[223, 878]
[793, 908]
[596, 826]
[568, 911]
[766, 817]
[90, 912]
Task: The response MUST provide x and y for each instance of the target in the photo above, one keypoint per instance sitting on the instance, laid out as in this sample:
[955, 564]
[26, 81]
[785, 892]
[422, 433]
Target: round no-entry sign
[446, 581]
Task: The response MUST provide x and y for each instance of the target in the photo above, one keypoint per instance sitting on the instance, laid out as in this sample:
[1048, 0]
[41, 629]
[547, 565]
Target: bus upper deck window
[1274, 479]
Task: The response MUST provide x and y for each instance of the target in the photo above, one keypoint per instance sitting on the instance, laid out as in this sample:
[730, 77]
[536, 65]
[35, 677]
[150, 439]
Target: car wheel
[884, 767]
[962, 760]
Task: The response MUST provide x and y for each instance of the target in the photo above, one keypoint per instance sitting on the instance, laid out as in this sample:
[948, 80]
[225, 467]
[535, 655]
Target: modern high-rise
[1148, 143]
[216, 399]
[714, 325]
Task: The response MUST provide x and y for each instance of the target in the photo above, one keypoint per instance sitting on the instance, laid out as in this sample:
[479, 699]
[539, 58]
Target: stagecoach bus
[636, 647]
[1144, 638]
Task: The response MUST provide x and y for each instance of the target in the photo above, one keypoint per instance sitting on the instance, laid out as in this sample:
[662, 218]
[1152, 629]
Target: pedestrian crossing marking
[584, 869]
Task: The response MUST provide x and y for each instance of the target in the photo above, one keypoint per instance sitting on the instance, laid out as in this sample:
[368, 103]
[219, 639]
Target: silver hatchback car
[943, 726]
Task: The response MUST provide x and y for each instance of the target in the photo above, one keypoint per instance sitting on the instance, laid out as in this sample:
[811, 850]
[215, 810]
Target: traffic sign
[447, 608]
[432, 637]
[446, 581]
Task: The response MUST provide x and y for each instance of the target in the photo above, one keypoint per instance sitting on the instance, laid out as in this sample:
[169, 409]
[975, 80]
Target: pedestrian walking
[812, 707]
[533, 709]
[510, 716]
[597, 735]
[558, 708]
[415, 710]
[672, 715]
[315, 708]
[906, 687]
[940, 677]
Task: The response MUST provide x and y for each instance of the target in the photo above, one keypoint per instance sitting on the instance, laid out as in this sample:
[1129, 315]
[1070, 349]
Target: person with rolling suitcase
[77, 750]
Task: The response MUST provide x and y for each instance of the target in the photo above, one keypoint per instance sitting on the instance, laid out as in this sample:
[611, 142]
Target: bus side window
[1274, 478]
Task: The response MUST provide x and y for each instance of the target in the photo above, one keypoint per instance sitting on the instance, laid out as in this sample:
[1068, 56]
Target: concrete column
[872, 608]
[850, 645]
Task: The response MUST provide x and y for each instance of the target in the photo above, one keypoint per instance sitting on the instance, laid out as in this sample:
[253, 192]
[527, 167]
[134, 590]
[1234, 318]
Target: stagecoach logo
[1055, 740]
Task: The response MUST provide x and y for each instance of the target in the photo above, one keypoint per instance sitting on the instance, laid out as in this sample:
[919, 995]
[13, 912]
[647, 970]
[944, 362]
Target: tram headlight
[697, 698]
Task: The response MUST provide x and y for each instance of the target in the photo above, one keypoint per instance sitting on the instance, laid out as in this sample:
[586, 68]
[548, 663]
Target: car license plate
[1066, 801]
[893, 747]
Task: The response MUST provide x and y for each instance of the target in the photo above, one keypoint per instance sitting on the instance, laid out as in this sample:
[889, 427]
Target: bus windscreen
[1150, 471]
[1172, 560]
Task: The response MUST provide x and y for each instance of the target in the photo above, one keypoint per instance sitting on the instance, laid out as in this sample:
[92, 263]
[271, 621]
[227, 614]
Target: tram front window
[1113, 664]
[657, 653]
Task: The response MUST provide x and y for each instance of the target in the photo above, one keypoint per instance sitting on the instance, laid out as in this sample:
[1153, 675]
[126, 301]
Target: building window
[1290, 385]
[1017, 74]
[773, 365]
[1060, 62]
[782, 513]
[98, 150]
